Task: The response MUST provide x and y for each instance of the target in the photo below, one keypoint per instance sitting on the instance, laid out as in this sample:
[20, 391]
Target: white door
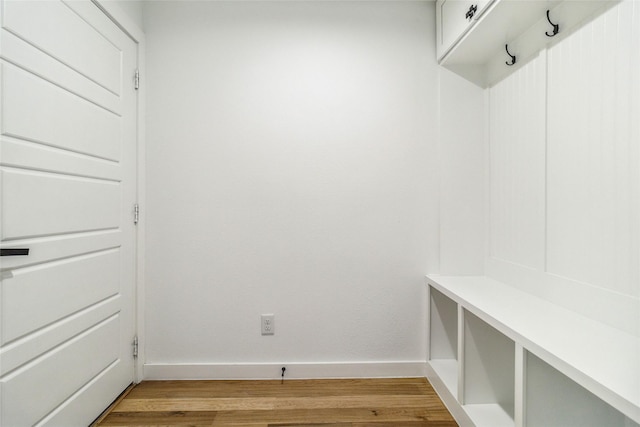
[68, 187]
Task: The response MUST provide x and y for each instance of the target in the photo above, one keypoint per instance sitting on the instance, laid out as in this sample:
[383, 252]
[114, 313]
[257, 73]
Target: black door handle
[14, 252]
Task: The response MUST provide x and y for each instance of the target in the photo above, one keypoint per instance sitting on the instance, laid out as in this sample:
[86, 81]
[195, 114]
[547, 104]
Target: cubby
[501, 357]
[443, 353]
[488, 366]
[553, 399]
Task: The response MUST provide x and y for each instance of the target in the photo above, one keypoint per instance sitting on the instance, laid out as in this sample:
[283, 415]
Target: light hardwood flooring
[403, 402]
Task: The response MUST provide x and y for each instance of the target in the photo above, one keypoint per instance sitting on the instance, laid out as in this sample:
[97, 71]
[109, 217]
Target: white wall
[292, 169]
[565, 172]
[463, 149]
[132, 8]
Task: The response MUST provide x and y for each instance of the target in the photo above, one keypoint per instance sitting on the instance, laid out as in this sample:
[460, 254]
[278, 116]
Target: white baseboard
[265, 371]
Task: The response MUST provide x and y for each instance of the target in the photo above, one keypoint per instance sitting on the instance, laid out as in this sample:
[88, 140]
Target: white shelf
[447, 370]
[489, 415]
[503, 19]
[603, 360]
[479, 54]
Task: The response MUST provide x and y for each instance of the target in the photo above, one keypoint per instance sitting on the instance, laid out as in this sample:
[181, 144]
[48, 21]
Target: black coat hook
[513, 57]
[556, 27]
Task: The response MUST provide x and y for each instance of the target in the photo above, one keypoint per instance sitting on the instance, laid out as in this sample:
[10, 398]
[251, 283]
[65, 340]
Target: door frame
[122, 20]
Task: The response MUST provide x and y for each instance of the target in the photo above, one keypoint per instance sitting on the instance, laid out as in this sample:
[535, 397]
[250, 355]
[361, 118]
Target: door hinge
[136, 80]
[136, 213]
[135, 347]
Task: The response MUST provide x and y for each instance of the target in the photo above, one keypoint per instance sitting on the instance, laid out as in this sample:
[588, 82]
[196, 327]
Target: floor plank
[403, 402]
[159, 418]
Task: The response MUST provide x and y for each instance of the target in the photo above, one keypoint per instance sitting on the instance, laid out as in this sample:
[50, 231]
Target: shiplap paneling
[584, 210]
[593, 190]
[517, 162]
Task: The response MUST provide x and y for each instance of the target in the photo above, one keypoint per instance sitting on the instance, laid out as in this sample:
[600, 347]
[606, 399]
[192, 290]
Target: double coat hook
[556, 27]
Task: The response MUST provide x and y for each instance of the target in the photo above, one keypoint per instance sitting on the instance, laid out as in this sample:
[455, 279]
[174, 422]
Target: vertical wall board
[592, 167]
[517, 166]
[564, 180]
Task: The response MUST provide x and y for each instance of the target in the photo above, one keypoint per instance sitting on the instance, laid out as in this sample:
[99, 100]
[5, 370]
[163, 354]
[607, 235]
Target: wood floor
[406, 402]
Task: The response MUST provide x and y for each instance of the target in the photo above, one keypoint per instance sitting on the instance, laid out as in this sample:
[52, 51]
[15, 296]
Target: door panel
[37, 110]
[67, 190]
[35, 390]
[37, 343]
[41, 157]
[39, 23]
[30, 58]
[44, 249]
[42, 203]
[55, 289]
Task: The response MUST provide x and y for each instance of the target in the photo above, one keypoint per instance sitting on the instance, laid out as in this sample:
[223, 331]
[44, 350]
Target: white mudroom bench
[499, 356]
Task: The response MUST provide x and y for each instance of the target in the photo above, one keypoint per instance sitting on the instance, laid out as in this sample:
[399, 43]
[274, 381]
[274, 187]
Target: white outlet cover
[267, 324]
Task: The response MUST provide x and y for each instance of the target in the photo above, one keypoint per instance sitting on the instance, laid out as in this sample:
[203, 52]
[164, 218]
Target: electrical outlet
[267, 324]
